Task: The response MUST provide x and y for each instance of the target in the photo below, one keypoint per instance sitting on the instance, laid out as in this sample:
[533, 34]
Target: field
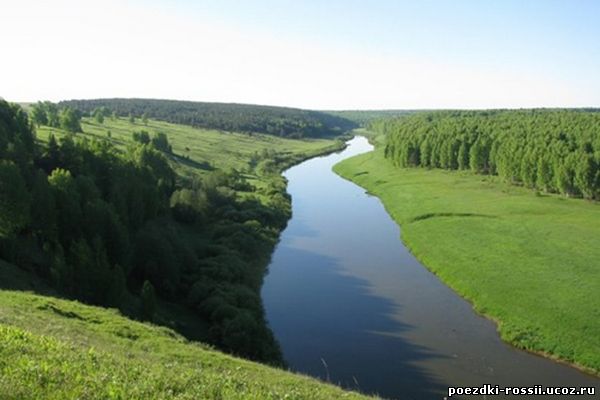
[198, 151]
[528, 261]
[57, 349]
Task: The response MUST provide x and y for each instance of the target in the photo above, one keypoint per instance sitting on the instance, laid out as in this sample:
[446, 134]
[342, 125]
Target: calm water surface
[348, 302]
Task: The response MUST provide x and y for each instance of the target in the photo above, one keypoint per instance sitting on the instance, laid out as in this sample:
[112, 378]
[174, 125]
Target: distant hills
[279, 121]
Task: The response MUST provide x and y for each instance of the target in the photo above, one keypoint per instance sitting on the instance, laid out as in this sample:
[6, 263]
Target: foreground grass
[57, 349]
[530, 262]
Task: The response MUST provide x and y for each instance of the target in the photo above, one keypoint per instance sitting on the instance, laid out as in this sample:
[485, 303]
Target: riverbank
[529, 262]
[65, 349]
[226, 210]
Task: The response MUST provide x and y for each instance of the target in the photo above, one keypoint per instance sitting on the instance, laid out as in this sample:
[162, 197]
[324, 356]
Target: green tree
[38, 114]
[148, 295]
[43, 207]
[161, 142]
[14, 199]
[477, 157]
[52, 114]
[142, 137]
[463, 156]
[70, 120]
[544, 174]
[98, 115]
[585, 174]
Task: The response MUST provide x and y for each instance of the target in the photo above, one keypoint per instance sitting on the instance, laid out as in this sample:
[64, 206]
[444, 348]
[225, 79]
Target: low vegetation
[527, 260]
[57, 349]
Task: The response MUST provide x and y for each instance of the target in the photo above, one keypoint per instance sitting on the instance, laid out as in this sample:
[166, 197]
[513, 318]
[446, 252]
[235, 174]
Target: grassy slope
[220, 149]
[51, 348]
[57, 349]
[532, 263]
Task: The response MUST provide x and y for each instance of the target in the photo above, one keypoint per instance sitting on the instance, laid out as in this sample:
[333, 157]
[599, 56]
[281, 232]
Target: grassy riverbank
[57, 349]
[530, 262]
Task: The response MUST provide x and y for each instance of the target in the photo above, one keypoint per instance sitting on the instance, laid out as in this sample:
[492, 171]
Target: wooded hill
[549, 150]
[116, 216]
[279, 121]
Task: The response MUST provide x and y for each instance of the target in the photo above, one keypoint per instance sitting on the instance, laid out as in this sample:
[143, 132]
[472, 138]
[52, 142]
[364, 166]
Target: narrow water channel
[348, 302]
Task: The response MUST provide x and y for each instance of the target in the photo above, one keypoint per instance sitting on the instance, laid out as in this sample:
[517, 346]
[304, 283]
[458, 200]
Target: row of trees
[549, 150]
[280, 121]
[159, 140]
[102, 226]
[48, 113]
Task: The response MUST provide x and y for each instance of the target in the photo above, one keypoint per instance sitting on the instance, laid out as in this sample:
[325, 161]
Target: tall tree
[38, 114]
[70, 120]
[14, 199]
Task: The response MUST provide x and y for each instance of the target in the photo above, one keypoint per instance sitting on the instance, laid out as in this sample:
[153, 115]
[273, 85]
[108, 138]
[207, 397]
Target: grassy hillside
[166, 222]
[57, 349]
[530, 262]
[278, 121]
[197, 152]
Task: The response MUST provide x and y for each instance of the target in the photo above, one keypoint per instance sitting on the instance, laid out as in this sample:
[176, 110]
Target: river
[348, 303]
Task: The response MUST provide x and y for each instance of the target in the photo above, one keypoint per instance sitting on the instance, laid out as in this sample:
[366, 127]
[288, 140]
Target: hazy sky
[319, 54]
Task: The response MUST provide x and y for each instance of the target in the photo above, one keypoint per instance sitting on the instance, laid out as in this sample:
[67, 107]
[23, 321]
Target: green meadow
[528, 261]
[57, 349]
[198, 151]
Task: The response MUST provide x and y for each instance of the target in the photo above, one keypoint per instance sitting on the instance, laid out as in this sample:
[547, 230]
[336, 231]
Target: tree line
[279, 121]
[548, 150]
[118, 228]
[50, 114]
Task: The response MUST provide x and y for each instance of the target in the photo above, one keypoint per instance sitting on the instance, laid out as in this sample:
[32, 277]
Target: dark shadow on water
[331, 326]
[302, 229]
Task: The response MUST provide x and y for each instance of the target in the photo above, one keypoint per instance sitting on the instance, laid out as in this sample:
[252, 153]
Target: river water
[348, 303]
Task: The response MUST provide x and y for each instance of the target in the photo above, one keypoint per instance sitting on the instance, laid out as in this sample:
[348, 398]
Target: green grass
[206, 149]
[530, 262]
[57, 349]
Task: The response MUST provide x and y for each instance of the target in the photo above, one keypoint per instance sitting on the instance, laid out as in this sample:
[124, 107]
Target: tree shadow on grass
[449, 214]
[204, 165]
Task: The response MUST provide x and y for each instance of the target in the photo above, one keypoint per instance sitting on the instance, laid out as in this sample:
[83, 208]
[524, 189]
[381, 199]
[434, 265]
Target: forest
[121, 229]
[363, 118]
[279, 121]
[556, 151]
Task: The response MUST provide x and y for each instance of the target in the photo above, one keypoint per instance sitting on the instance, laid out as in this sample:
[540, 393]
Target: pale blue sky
[312, 54]
[549, 35]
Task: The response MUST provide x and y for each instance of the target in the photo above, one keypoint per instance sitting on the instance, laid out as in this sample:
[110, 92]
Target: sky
[315, 54]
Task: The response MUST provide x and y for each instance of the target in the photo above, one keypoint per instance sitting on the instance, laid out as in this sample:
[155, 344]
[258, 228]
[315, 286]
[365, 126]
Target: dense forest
[548, 150]
[116, 228]
[365, 117]
[280, 121]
